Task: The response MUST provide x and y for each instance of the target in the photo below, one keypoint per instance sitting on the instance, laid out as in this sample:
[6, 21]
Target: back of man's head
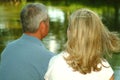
[32, 15]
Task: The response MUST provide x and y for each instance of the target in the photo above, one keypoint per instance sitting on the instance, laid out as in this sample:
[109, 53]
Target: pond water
[10, 29]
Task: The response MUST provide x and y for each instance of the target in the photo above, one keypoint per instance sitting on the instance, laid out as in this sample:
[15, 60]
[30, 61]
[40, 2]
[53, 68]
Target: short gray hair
[31, 16]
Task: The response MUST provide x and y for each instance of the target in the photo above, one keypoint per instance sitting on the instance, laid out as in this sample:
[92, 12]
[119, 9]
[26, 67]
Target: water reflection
[2, 26]
[55, 38]
[56, 14]
[52, 43]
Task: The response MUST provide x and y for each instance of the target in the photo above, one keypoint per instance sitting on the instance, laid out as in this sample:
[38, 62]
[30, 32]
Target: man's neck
[34, 35]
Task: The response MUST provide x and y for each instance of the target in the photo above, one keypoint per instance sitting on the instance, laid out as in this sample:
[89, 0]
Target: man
[26, 58]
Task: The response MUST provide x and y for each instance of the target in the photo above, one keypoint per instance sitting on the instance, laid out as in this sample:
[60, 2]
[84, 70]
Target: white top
[59, 70]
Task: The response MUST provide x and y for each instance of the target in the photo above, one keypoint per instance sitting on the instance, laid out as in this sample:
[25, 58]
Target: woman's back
[60, 70]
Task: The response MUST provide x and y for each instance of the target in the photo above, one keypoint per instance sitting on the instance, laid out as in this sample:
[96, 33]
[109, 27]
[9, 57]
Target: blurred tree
[30, 0]
[12, 2]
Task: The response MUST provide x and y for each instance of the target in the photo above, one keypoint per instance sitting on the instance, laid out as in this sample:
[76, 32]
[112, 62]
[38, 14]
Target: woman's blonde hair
[88, 40]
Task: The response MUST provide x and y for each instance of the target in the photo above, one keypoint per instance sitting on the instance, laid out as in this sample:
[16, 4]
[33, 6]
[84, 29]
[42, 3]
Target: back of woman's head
[88, 41]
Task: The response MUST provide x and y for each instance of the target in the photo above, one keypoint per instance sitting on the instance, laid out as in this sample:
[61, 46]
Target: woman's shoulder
[106, 70]
[57, 58]
[105, 63]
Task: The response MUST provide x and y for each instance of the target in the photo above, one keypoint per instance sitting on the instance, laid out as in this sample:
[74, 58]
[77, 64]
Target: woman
[88, 41]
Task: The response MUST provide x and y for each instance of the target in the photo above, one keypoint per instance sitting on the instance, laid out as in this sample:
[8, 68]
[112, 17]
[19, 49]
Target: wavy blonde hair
[88, 40]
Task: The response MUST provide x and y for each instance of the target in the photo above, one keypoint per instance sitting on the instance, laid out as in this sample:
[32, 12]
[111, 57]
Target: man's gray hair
[31, 16]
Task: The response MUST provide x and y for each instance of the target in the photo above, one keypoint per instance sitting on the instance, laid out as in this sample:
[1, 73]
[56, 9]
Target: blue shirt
[24, 59]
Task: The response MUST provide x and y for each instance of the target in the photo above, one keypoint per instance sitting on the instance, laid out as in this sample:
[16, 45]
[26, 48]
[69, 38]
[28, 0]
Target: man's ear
[42, 26]
[42, 29]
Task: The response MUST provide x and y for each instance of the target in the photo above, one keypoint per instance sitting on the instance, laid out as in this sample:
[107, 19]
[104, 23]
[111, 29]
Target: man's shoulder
[13, 42]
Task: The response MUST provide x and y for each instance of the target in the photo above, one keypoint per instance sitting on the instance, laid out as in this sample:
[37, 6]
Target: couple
[88, 40]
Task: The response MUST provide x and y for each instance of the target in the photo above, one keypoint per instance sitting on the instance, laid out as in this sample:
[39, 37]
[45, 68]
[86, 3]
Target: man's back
[24, 59]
